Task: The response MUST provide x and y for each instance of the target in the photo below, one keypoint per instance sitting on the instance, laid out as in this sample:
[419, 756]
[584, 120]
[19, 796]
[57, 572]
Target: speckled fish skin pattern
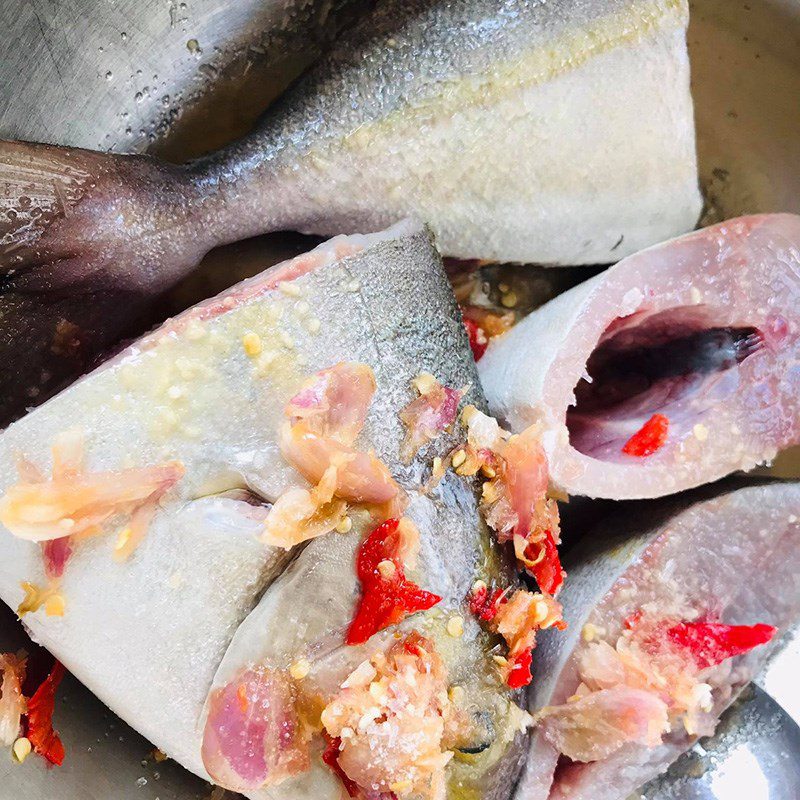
[147, 635]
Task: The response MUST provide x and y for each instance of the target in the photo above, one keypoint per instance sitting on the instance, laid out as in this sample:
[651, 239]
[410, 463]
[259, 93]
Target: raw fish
[673, 368]
[722, 556]
[138, 538]
[550, 132]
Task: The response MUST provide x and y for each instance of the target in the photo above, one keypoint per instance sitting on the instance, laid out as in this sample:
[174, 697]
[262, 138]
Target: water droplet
[193, 46]
[138, 72]
[165, 101]
[109, 75]
[128, 131]
[123, 36]
[99, 49]
[141, 782]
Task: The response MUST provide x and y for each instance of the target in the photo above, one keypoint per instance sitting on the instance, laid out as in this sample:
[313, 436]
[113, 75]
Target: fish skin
[471, 115]
[714, 541]
[200, 571]
[744, 273]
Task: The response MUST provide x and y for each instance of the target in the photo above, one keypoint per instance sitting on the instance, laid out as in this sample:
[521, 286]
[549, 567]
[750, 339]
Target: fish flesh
[557, 133]
[178, 445]
[673, 368]
[699, 565]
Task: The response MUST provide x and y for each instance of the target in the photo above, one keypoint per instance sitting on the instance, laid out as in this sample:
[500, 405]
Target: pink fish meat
[672, 609]
[673, 368]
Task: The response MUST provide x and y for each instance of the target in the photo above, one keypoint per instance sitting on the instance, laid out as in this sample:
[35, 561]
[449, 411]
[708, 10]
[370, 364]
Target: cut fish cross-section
[675, 367]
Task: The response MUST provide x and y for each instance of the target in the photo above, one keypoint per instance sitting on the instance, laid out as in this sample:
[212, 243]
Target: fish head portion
[299, 628]
[673, 368]
[140, 498]
[670, 616]
[292, 646]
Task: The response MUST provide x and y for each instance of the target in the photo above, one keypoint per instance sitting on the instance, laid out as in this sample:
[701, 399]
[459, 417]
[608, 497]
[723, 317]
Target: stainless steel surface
[780, 677]
[181, 77]
[106, 760]
[123, 74]
[745, 58]
[754, 755]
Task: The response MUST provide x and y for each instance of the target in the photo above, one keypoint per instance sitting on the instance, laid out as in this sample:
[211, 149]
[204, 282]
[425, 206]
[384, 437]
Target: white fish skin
[148, 635]
[740, 275]
[554, 132]
[727, 549]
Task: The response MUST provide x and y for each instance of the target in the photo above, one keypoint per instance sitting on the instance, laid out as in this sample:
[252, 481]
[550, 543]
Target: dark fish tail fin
[71, 217]
[86, 240]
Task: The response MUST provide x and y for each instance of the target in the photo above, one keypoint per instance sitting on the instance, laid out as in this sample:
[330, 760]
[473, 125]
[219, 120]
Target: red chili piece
[649, 438]
[633, 620]
[385, 600]
[41, 706]
[710, 643]
[478, 340]
[548, 572]
[331, 758]
[483, 606]
[520, 674]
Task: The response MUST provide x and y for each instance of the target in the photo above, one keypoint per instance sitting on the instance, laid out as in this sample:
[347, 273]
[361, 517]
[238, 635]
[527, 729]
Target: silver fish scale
[406, 54]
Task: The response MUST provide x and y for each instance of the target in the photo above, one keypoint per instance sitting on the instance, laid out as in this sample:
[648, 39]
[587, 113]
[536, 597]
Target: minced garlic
[455, 627]
[345, 526]
[21, 749]
[300, 669]
[251, 342]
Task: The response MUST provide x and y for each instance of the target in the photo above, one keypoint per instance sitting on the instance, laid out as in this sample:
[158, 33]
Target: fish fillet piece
[549, 132]
[688, 351]
[205, 393]
[727, 553]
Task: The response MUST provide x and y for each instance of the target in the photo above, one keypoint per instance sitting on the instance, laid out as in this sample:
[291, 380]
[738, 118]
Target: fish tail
[71, 217]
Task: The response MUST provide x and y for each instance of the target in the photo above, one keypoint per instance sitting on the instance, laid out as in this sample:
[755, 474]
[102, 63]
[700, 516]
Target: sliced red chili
[483, 605]
[478, 340]
[520, 674]
[632, 621]
[331, 758]
[386, 597]
[548, 571]
[649, 438]
[710, 643]
[39, 725]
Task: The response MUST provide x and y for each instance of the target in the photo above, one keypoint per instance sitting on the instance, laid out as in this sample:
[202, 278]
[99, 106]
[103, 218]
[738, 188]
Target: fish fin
[69, 217]
[86, 241]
